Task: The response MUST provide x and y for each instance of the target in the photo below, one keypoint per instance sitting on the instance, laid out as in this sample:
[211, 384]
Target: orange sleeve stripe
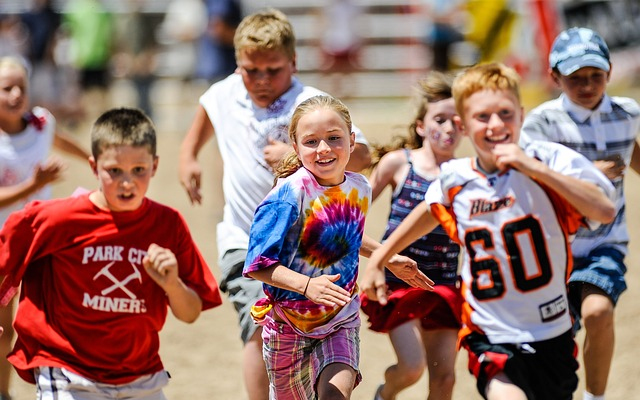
[467, 326]
[568, 216]
[570, 220]
[446, 216]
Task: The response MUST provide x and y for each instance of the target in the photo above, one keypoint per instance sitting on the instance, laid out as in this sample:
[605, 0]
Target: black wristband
[306, 287]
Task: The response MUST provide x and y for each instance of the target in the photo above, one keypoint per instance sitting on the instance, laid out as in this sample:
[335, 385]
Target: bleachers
[17, 6]
[392, 57]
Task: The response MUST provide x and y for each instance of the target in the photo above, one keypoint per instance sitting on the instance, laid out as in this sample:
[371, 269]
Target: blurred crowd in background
[347, 47]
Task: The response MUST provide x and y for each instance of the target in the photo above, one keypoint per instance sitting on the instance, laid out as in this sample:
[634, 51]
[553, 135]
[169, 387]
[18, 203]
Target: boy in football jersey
[513, 210]
[604, 129]
[249, 114]
[99, 271]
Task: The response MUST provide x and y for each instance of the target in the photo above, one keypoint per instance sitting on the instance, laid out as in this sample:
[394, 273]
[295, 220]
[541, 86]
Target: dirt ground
[204, 358]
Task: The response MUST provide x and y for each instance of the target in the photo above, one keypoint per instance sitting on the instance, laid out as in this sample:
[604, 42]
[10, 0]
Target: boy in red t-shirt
[98, 273]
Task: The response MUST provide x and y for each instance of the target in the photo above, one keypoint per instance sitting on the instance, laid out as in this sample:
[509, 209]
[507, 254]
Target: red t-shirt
[86, 302]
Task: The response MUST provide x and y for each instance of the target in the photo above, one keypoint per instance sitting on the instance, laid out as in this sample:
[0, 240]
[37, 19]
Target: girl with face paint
[415, 318]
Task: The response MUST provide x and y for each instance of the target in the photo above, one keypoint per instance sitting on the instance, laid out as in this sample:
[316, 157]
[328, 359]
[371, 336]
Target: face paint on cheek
[436, 135]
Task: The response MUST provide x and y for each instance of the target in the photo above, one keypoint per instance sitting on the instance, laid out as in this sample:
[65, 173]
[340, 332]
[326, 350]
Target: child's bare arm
[418, 223]
[319, 289]
[360, 158]
[189, 169]
[162, 267]
[585, 196]
[401, 266]
[635, 158]
[383, 174]
[43, 174]
[67, 144]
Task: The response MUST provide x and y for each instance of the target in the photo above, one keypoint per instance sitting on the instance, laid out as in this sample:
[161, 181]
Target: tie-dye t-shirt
[313, 230]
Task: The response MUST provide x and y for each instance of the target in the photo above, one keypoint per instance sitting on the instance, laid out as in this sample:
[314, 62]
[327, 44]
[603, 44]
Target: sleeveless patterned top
[435, 253]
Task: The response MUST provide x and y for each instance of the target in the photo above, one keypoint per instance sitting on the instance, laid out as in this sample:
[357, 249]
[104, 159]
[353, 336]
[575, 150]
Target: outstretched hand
[407, 269]
[373, 281]
[322, 290]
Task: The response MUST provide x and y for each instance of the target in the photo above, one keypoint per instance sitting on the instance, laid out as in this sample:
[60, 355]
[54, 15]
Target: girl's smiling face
[438, 127]
[14, 99]
[123, 173]
[324, 145]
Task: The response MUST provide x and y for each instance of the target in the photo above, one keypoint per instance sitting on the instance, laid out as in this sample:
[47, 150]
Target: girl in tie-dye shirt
[304, 245]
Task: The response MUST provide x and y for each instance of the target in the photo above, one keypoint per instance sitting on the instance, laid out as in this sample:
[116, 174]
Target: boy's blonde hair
[491, 76]
[269, 29]
[291, 163]
[122, 127]
[16, 62]
[434, 87]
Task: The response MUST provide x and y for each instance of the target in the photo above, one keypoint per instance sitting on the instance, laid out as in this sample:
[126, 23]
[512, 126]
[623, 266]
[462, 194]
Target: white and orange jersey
[516, 233]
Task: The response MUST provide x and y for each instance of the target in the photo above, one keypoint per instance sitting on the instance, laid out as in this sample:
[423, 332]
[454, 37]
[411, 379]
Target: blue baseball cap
[577, 48]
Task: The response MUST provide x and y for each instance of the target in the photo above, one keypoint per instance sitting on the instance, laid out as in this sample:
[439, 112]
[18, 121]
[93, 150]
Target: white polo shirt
[611, 129]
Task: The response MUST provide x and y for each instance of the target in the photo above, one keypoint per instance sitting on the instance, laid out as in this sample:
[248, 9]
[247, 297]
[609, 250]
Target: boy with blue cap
[604, 129]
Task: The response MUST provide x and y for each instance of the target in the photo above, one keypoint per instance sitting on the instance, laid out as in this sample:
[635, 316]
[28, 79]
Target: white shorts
[61, 384]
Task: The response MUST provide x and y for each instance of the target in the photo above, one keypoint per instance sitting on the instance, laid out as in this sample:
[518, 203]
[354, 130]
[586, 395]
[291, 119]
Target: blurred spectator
[13, 36]
[52, 86]
[41, 22]
[340, 38]
[491, 25]
[91, 30]
[184, 22]
[444, 29]
[137, 50]
[215, 53]
[340, 43]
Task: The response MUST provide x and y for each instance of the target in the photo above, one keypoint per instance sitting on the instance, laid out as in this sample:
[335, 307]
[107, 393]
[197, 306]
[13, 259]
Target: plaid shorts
[294, 362]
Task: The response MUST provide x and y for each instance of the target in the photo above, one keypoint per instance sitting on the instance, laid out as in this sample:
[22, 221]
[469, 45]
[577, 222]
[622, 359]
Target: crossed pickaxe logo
[119, 284]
